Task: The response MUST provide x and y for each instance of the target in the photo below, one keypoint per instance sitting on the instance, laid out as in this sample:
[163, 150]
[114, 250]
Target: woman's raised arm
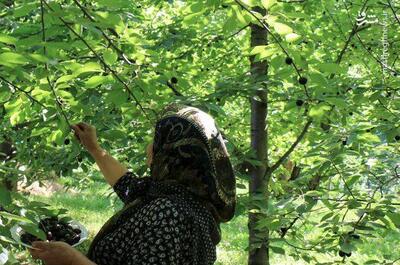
[111, 168]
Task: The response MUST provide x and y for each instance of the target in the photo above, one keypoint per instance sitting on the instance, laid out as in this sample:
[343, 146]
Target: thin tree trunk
[258, 254]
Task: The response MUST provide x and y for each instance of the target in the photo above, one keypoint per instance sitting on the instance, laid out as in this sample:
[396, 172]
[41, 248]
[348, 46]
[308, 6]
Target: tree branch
[344, 181]
[393, 11]
[121, 53]
[176, 92]
[47, 68]
[291, 148]
[23, 91]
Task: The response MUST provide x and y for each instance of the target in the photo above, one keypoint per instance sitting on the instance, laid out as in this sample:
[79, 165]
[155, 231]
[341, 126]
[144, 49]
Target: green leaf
[39, 131]
[250, 3]
[338, 102]
[292, 37]
[331, 68]
[10, 58]
[117, 96]
[240, 16]
[353, 180]
[277, 250]
[64, 79]
[346, 246]
[7, 39]
[230, 24]
[34, 230]
[368, 137]
[319, 110]
[190, 19]
[5, 196]
[196, 7]
[14, 217]
[114, 134]
[88, 67]
[110, 57]
[25, 9]
[97, 80]
[55, 137]
[327, 216]
[394, 217]
[268, 3]
[372, 261]
[313, 193]
[38, 57]
[282, 29]
[114, 3]
[263, 51]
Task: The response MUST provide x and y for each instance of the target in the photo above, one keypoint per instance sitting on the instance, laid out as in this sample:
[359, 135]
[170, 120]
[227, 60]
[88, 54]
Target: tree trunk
[258, 254]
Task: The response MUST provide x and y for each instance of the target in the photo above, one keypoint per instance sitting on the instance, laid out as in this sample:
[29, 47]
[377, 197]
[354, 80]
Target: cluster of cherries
[55, 230]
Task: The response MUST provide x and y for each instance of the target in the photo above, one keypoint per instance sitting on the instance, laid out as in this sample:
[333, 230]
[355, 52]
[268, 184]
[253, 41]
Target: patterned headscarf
[189, 149]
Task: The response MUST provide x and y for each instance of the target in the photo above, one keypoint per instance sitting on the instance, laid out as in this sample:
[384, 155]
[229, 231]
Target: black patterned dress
[169, 226]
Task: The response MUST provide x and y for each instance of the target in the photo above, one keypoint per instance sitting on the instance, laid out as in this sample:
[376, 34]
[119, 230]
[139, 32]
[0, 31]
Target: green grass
[92, 208]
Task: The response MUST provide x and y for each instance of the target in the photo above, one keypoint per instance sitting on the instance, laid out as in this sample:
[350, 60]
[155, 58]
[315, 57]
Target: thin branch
[312, 248]
[334, 21]
[121, 53]
[291, 148]
[176, 92]
[102, 61]
[341, 53]
[237, 32]
[393, 11]
[284, 230]
[391, 112]
[373, 56]
[58, 102]
[345, 183]
[355, 29]
[47, 68]
[23, 91]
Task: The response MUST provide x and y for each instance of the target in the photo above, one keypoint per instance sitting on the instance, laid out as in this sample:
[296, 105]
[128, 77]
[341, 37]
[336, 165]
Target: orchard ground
[95, 202]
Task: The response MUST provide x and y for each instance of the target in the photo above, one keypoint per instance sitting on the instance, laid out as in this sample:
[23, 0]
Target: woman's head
[189, 149]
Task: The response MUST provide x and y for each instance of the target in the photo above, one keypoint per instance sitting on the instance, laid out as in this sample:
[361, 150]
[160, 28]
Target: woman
[171, 216]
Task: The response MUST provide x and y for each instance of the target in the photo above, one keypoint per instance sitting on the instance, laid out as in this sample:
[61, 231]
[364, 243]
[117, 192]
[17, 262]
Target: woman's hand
[55, 253]
[86, 135]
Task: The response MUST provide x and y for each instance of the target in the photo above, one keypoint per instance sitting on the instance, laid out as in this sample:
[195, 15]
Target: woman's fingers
[40, 245]
[84, 126]
[76, 128]
[77, 136]
[77, 131]
[38, 250]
